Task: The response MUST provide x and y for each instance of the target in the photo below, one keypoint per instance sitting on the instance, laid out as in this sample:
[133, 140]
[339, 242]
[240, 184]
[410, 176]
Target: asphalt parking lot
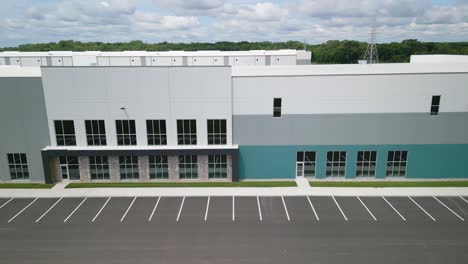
[234, 230]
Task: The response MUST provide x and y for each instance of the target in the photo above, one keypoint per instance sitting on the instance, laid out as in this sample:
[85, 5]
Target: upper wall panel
[398, 93]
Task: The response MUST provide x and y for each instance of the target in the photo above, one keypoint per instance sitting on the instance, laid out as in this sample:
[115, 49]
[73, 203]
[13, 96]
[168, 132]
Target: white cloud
[215, 20]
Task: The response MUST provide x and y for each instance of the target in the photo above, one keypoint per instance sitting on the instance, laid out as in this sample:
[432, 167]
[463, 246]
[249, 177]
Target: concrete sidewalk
[301, 190]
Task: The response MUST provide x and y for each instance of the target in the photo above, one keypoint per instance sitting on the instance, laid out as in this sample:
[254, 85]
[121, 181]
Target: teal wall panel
[424, 161]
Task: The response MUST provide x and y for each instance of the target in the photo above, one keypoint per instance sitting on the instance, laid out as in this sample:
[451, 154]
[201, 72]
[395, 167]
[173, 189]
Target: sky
[310, 21]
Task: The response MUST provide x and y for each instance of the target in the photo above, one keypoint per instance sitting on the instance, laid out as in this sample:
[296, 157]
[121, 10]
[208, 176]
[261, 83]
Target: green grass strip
[183, 184]
[25, 186]
[390, 184]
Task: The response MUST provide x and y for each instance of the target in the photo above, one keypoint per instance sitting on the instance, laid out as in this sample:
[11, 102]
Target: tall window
[366, 161]
[435, 105]
[277, 107]
[156, 130]
[95, 132]
[65, 132]
[158, 167]
[126, 132]
[188, 167]
[99, 167]
[305, 163]
[69, 167]
[128, 167]
[396, 163]
[217, 132]
[336, 163]
[217, 166]
[18, 165]
[187, 132]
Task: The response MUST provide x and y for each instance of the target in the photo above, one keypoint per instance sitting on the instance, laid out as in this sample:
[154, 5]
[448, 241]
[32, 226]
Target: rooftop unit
[162, 58]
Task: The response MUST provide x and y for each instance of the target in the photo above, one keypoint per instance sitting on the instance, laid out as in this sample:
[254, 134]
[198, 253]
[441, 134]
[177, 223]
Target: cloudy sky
[313, 21]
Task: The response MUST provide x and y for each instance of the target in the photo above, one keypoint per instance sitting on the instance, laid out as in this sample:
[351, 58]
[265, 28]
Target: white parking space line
[460, 198]
[453, 212]
[128, 209]
[340, 208]
[100, 210]
[207, 207]
[154, 209]
[369, 211]
[180, 210]
[13, 198]
[394, 209]
[66, 219]
[233, 209]
[26, 207]
[39, 219]
[313, 209]
[285, 208]
[420, 207]
[259, 209]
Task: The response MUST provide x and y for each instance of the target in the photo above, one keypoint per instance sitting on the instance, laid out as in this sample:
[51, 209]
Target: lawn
[389, 184]
[25, 186]
[184, 184]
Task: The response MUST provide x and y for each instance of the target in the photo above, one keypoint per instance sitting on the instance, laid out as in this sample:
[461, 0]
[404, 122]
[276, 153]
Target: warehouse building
[231, 122]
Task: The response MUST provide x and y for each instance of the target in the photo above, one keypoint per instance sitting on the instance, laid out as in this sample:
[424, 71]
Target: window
[156, 130]
[305, 163]
[217, 132]
[187, 132]
[366, 161]
[95, 132]
[277, 107]
[126, 132]
[99, 167]
[69, 167]
[435, 105]
[396, 163]
[336, 163]
[18, 166]
[158, 167]
[128, 167]
[65, 132]
[188, 167]
[217, 166]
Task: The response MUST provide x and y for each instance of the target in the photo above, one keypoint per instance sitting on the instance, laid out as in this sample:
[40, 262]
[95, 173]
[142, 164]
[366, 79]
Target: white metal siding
[350, 94]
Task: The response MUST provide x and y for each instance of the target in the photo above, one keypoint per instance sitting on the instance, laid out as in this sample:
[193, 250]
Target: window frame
[277, 110]
[99, 138]
[189, 166]
[391, 163]
[186, 131]
[158, 167]
[99, 166]
[217, 166]
[368, 166]
[153, 126]
[217, 137]
[18, 166]
[64, 139]
[129, 137]
[128, 168]
[435, 105]
[333, 163]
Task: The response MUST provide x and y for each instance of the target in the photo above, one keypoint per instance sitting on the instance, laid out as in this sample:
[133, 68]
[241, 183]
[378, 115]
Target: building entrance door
[64, 171]
[69, 168]
[299, 169]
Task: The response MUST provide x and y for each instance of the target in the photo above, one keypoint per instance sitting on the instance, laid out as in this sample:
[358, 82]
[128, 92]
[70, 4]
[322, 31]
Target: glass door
[300, 169]
[64, 170]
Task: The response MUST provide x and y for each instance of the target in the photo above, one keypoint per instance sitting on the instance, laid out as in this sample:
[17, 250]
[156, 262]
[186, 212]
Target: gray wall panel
[341, 129]
[23, 126]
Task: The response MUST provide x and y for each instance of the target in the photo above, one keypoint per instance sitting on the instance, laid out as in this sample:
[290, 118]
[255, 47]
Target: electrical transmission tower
[371, 55]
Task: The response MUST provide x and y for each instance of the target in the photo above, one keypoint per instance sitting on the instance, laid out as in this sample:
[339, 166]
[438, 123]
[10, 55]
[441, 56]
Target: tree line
[330, 52]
